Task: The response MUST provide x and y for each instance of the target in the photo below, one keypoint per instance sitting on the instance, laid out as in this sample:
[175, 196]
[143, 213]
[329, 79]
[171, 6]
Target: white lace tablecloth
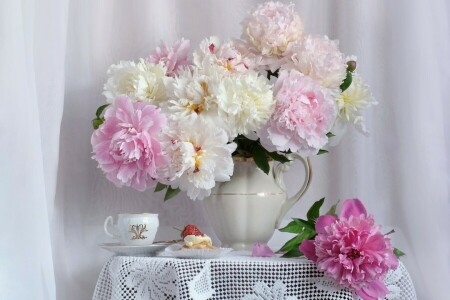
[233, 277]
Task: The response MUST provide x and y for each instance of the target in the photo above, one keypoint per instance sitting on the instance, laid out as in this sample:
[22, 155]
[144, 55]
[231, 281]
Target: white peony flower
[141, 81]
[200, 155]
[353, 100]
[245, 101]
[230, 57]
[192, 98]
[319, 58]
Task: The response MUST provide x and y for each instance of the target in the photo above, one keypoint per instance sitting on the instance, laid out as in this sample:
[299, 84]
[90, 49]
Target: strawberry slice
[191, 230]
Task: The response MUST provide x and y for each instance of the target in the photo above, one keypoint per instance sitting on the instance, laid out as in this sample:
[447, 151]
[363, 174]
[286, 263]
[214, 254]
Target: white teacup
[133, 229]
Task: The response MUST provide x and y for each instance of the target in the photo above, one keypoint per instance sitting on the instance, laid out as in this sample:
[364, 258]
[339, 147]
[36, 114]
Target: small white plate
[176, 251]
[120, 249]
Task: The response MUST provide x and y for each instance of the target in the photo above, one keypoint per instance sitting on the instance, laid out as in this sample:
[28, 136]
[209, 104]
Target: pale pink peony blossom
[270, 32]
[174, 58]
[232, 57]
[319, 58]
[352, 250]
[126, 145]
[261, 250]
[304, 114]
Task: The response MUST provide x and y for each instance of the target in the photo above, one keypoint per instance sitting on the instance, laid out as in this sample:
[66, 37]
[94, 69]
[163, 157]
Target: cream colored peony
[141, 81]
[200, 155]
[353, 100]
[192, 98]
[319, 57]
[245, 101]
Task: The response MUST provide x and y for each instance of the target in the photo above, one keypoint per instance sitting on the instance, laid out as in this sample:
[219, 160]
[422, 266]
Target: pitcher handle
[278, 173]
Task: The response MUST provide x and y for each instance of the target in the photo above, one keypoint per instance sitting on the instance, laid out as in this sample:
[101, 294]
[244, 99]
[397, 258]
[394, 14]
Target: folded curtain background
[32, 60]
[54, 56]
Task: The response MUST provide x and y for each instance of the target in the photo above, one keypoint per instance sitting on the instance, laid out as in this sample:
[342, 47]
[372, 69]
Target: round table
[237, 276]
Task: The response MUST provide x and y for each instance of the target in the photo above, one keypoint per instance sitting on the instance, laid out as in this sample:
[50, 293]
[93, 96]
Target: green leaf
[260, 157]
[313, 212]
[330, 134]
[274, 74]
[332, 210]
[306, 224]
[292, 227]
[295, 242]
[99, 111]
[297, 226]
[322, 151]
[160, 186]
[97, 122]
[244, 146]
[292, 243]
[347, 81]
[170, 193]
[399, 253]
[295, 252]
[306, 234]
[279, 157]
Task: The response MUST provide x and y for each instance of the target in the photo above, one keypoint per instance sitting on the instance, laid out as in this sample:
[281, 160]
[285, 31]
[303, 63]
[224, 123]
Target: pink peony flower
[304, 113]
[261, 250]
[319, 58]
[271, 31]
[126, 145]
[231, 56]
[352, 250]
[175, 58]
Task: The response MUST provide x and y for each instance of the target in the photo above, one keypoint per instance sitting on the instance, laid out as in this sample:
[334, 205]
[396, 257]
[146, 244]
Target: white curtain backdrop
[53, 200]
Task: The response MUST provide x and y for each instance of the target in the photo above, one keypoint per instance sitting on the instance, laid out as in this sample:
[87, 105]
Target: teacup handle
[106, 225]
[278, 175]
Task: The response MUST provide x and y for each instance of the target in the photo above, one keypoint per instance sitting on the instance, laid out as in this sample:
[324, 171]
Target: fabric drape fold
[32, 55]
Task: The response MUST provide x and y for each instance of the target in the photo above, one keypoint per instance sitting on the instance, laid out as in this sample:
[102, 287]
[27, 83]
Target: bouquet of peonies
[349, 247]
[176, 123]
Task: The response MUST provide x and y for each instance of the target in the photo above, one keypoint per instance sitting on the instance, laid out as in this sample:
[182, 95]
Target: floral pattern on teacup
[138, 231]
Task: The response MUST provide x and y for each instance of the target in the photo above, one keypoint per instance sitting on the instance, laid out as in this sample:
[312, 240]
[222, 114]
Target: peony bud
[351, 65]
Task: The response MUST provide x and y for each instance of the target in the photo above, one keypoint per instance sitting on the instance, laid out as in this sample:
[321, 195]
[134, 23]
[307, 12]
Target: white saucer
[121, 249]
[175, 251]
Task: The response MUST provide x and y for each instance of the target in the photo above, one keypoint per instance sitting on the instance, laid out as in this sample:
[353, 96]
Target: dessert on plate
[195, 239]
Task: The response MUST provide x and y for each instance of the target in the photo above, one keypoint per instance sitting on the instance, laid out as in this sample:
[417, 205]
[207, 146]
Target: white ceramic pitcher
[249, 207]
